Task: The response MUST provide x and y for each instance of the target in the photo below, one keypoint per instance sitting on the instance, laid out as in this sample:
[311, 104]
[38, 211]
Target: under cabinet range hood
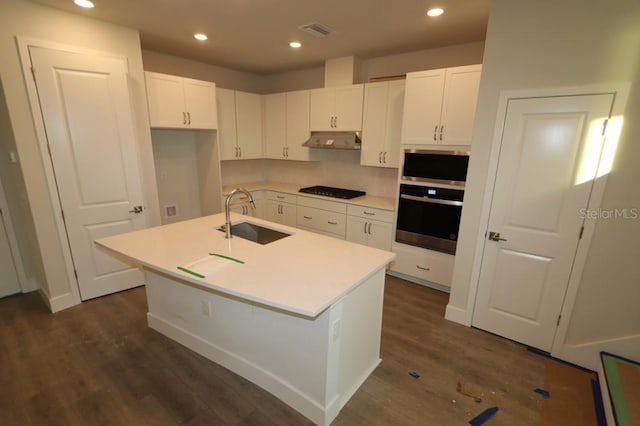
[334, 140]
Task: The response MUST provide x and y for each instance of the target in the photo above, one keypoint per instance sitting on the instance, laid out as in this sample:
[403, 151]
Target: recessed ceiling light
[435, 12]
[200, 36]
[84, 3]
[295, 44]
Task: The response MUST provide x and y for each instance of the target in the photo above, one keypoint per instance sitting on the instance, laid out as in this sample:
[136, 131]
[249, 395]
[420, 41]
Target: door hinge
[581, 232]
[604, 126]
[558, 322]
[33, 74]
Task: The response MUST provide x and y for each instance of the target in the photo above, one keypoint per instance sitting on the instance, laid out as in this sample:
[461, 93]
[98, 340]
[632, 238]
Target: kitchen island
[300, 316]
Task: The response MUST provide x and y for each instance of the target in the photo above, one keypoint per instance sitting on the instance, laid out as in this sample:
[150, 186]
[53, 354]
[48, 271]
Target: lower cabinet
[322, 216]
[423, 264]
[281, 208]
[369, 226]
[240, 204]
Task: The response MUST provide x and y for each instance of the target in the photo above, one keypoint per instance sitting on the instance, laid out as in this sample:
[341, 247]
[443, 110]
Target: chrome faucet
[227, 213]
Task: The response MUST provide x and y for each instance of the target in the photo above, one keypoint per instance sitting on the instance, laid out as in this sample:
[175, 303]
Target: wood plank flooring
[99, 363]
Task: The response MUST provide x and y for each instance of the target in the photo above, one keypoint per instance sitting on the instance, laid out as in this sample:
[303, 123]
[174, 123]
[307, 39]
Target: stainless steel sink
[256, 233]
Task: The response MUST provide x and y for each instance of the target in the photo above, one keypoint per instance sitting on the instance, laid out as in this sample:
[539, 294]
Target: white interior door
[88, 120]
[548, 160]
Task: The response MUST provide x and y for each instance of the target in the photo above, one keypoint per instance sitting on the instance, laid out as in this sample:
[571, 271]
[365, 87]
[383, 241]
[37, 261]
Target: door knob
[495, 236]
[136, 210]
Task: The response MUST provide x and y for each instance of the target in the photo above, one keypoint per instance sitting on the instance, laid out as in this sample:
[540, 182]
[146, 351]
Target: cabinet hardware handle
[279, 208]
[240, 151]
[365, 227]
[423, 268]
[435, 131]
[384, 157]
[380, 158]
[184, 117]
[286, 150]
[307, 217]
[369, 230]
[136, 210]
[441, 131]
[283, 152]
[336, 121]
[188, 117]
[280, 197]
[368, 213]
[332, 223]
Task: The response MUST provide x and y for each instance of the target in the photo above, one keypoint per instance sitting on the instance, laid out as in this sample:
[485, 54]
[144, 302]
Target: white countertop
[304, 273]
[366, 200]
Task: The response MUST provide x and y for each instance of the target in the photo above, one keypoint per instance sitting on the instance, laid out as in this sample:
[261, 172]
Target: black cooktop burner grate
[329, 191]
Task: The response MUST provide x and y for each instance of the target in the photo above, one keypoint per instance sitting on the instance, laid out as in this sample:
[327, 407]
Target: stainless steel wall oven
[431, 196]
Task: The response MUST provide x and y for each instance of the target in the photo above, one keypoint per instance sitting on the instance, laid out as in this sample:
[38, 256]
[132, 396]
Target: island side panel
[286, 354]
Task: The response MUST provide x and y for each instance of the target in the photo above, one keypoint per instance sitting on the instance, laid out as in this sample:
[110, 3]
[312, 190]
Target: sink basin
[256, 233]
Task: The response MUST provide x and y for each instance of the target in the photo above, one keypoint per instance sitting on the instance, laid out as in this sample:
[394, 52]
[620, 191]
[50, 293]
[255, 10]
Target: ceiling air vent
[317, 30]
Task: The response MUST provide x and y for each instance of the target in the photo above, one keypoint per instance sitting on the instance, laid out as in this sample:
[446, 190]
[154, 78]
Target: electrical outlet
[205, 306]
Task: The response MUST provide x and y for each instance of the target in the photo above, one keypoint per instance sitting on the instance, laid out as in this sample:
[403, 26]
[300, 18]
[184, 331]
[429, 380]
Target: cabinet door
[275, 125]
[288, 214]
[459, 104]
[356, 227]
[200, 104]
[395, 103]
[166, 100]
[249, 125]
[380, 235]
[297, 125]
[226, 105]
[422, 106]
[374, 124]
[321, 102]
[348, 107]
[282, 213]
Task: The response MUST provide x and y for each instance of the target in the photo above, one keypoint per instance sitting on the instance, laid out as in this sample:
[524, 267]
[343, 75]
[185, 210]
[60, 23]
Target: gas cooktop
[329, 191]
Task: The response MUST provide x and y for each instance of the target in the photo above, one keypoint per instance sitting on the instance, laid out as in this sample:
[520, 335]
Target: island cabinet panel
[336, 108]
[180, 103]
[440, 105]
[314, 364]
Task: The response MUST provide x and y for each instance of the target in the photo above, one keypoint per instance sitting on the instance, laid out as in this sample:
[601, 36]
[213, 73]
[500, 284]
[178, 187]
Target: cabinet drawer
[322, 220]
[424, 264]
[282, 197]
[370, 213]
[318, 203]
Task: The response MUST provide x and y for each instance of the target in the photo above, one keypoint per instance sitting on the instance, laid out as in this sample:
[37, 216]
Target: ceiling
[253, 35]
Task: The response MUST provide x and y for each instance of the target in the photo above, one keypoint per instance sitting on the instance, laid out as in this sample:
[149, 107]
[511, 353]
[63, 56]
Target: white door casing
[549, 155]
[86, 109]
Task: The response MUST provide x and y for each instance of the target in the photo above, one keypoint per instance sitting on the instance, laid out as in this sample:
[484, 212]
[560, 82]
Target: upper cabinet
[240, 124]
[180, 103]
[336, 108]
[382, 123]
[286, 125]
[440, 106]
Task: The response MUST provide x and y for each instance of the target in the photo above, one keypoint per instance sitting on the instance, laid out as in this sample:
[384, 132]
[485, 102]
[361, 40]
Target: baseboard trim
[59, 303]
[455, 314]
[588, 354]
[254, 373]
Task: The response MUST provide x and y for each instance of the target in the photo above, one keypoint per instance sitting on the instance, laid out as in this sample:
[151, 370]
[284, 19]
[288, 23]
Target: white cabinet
[240, 124]
[286, 125]
[240, 204]
[281, 208]
[336, 108]
[370, 227]
[382, 123]
[182, 103]
[322, 216]
[440, 106]
[427, 265]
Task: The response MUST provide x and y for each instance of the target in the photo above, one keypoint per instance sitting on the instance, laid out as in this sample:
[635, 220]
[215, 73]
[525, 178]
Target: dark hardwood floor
[98, 363]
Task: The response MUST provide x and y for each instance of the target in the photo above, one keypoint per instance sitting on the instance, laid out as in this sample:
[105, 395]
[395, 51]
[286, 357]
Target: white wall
[26, 19]
[557, 44]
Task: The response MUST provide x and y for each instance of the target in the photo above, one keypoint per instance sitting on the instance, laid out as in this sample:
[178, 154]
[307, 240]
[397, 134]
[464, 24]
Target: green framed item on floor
[623, 382]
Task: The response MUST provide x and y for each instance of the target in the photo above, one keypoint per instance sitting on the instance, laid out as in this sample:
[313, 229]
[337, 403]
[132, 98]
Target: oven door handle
[431, 200]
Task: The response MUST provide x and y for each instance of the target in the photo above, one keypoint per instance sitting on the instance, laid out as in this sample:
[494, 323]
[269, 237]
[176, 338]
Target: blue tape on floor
[542, 392]
[598, 403]
[483, 417]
